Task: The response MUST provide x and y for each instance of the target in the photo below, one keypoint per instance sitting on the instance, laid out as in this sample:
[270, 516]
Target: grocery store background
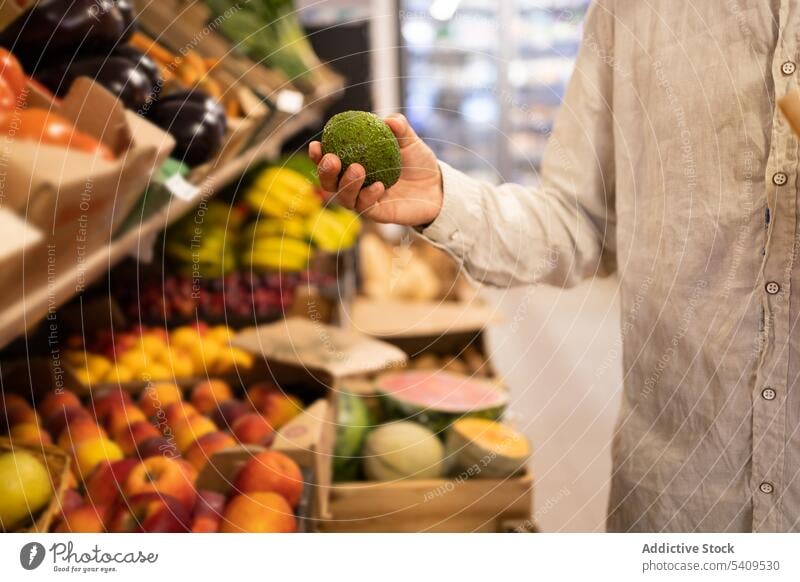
[481, 80]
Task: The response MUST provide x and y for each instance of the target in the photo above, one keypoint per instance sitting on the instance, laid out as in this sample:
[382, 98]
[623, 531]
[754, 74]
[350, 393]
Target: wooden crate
[58, 464]
[435, 505]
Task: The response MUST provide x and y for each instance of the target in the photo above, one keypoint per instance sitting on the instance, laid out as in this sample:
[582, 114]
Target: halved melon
[479, 448]
[436, 398]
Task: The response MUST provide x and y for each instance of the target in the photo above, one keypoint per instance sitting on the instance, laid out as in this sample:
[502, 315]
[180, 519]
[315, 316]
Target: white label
[181, 188]
[290, 101]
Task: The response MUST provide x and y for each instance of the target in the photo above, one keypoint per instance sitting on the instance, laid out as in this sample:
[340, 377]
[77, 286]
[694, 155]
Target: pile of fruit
[428, 425]
[134, 464]
[61, 40]
[153, 354]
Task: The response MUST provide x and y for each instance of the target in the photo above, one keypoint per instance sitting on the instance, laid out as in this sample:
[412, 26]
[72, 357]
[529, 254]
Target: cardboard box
[74, 199]
[303, 353]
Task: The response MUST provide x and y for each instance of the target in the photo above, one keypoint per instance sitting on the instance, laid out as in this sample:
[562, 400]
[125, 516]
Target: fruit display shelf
[20, 313]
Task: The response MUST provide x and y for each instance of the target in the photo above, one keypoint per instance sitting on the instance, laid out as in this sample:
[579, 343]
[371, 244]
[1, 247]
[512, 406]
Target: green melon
[436, 398]
[353, 422]
[403, 450]
[478, 447]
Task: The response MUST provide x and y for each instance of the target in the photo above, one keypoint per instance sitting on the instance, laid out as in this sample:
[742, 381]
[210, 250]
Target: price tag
[181, 188]
[290, 101]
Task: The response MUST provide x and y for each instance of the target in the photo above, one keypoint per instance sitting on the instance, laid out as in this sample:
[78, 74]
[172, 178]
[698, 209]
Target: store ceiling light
[444, 9]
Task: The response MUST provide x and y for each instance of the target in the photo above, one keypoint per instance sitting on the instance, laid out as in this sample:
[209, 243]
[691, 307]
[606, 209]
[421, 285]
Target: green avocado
[360, 137]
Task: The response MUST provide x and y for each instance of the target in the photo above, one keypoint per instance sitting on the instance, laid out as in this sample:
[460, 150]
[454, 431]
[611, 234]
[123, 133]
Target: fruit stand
[187, 343]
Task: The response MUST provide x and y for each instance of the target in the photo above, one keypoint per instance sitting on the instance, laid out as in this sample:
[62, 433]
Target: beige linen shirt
[670, 164]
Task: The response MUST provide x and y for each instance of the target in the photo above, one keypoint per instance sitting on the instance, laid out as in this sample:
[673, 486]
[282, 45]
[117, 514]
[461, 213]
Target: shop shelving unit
[482, 80]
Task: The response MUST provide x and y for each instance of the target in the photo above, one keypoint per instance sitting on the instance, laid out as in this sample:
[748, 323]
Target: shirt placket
[769, 395]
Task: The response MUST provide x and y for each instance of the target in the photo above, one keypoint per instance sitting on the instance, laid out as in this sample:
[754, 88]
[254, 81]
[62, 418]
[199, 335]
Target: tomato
[12, 72]
[48, 127]
[8, 99]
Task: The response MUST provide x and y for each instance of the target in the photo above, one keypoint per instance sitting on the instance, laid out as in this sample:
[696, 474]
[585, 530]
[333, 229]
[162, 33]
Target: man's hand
[414, 200]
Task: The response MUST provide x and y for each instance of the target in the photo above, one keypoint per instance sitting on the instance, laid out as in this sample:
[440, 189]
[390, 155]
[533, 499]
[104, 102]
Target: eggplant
[128, 17]
[120, 76]
[54, 31]
[198, 132]
[201, 98]
[142, 61]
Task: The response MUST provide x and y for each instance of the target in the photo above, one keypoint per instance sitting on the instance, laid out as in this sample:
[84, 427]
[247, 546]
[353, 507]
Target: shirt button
[768, 394]
[766, 487]
[788, 68]
[779, 178]
[455, 237]
[772, 287]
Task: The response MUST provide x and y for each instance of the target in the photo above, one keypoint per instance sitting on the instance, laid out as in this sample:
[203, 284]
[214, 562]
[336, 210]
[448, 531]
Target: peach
[91, 453]
[159, 396]
[279, 408]
[102, 403]
[19, 413]
[81, 429]
[190, 429]
[175, 413]
[30, 434]
[151, 513]
[70, 499]
[258, 513]
[162, 476]
[104, 486]
[256, 394]
[227, 412]
[207, 395]
[252, 429]
[129, 438]
[208, 510]
[84, 519]
[157, 447]
[271, 471]
[122, 416]
[60, 419]
[204, 447]
[58, 400]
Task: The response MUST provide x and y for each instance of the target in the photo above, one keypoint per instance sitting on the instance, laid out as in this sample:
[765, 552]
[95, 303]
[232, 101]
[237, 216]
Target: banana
[293, 228]
[333, 231]
[278, 253]
[282, 193]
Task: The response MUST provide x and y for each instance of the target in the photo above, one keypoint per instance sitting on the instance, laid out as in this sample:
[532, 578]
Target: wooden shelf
[22, 313]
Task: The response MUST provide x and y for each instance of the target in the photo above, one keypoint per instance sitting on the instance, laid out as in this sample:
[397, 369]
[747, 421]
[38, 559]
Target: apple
[257, 393]
[89, 454]
[208, 510]
[163, 476]
[204, 447]
[227, 412]
[252, 429]
[157, 447]
[29, 433]
[261, 512]
[81, 429]
[58, 400]
[271, 471]
[175, 413]
[129, 438]
[188, 430]
[208, 394]
[151, 513]
[69, 500]
[159, 396]
[104, 486]
[85, 518]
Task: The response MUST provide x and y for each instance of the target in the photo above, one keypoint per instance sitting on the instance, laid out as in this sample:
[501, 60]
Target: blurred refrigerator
[481, 80]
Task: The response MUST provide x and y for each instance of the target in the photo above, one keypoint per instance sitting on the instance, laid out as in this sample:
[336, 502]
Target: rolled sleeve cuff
[454, 228]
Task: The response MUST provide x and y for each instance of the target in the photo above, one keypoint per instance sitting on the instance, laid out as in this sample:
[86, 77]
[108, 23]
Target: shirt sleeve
[564, 230]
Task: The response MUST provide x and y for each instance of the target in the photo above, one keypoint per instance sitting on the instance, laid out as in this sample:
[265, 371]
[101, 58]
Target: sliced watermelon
[436, 398]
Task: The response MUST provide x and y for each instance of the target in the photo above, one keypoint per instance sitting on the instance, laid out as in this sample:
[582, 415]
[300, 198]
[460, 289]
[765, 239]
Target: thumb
[401, 129]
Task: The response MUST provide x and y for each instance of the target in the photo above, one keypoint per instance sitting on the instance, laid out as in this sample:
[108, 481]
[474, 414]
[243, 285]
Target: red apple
[104, 486]
[120, 416]
[58, 400]
[157, 447]
[208, 512]
[252, 429]
[81, 429]
[129, 438]
[151, 513]
[163, 476]
[60, 419]
[102, 403]
[70, 499]
[207, 395]
[271, 471]
[257, 393]
[85, 518]
[203, 448]
[227, 412]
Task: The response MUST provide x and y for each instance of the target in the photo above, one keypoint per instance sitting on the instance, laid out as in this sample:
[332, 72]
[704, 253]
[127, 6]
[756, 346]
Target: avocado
[363, 138]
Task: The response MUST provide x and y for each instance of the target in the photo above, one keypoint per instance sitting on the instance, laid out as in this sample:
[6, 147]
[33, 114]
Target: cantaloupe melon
[485, 448]
[436, 398]
[403, 450]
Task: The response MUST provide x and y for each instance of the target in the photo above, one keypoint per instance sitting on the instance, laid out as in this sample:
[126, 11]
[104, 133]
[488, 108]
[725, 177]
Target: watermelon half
[436, 398]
